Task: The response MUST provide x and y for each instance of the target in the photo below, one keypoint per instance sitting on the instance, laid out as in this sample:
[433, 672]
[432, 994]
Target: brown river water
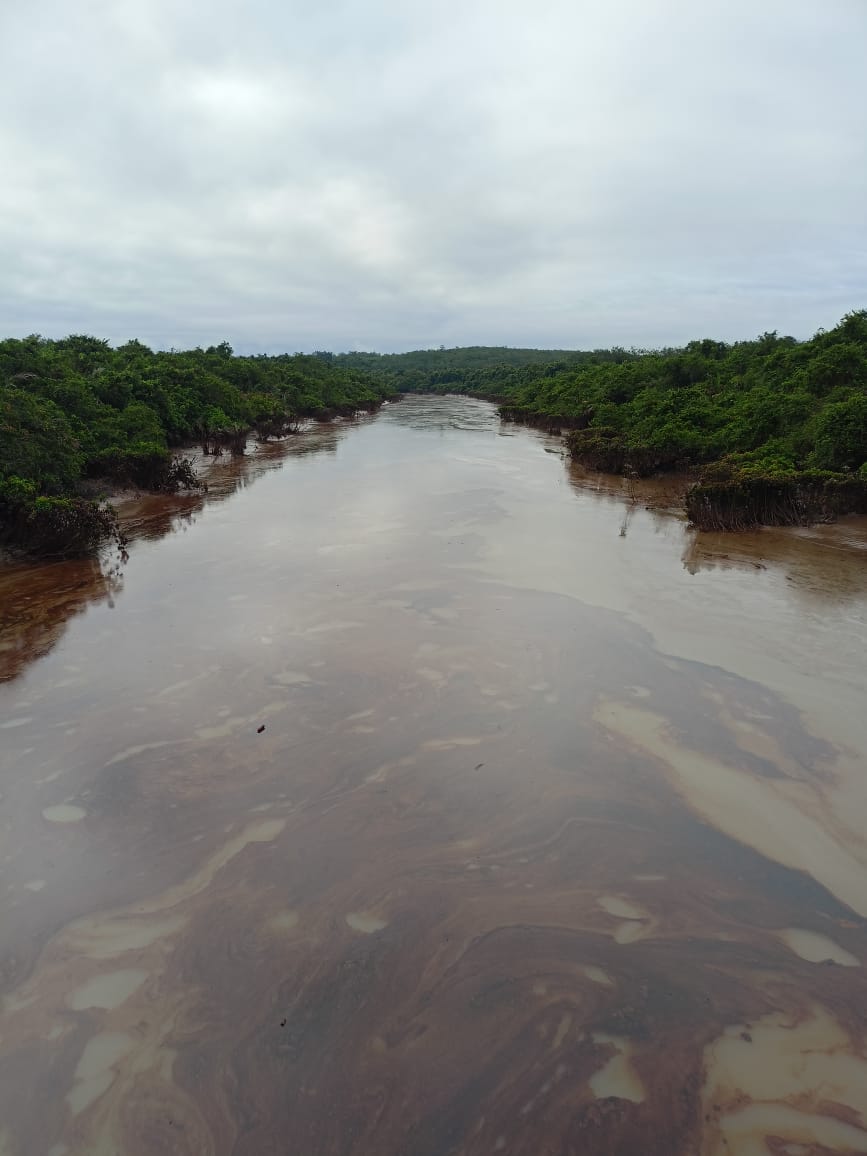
[554, 841]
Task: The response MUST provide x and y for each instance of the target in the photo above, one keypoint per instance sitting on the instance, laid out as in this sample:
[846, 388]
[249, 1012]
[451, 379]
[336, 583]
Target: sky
[401, 174]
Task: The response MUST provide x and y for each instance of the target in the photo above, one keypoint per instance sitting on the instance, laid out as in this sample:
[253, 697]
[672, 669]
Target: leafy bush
[144, 467]
[76, 409]
[840, 433]
[37, 442]
[52, 527]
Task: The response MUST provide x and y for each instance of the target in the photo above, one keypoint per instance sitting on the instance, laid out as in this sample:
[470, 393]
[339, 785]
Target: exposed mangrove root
[215, 442]
[279, 427]
[145, 468]
[608, 452]
[739, 503]
[550, 423]
[726, 498]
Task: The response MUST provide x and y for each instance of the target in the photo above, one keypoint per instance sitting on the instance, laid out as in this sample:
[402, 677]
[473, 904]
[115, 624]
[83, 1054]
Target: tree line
[456, 370]
[77, 414]
[774, 428]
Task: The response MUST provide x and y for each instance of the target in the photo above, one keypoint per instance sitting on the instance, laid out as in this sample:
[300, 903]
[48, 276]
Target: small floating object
[260, 729]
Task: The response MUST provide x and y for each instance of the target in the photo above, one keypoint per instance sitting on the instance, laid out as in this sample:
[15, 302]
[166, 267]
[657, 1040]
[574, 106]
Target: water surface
[553, 840]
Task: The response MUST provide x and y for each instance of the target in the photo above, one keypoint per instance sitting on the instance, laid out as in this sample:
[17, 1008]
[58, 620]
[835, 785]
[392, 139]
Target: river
[412, 794]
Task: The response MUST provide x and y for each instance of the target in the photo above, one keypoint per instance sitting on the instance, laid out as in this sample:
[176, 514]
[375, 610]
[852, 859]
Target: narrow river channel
[412, 795]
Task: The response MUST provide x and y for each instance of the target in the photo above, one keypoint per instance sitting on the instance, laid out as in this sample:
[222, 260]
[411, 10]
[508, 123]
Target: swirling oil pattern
[413, 795]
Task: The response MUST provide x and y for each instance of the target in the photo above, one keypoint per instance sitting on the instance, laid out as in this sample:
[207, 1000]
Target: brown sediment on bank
[296, 423]
[720, 498]
[738, 503]
[604, 449]
[551, 424]
[199, 453]
[69, 517]
[600, 448]
[38, 600]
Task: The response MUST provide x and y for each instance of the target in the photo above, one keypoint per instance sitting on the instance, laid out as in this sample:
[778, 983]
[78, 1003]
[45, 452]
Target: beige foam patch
[64, 813]
[106, 991]
[816, 948]
[617, 1077]
[621, 908]
[757, 1073]
[365, 922]
[97, 1069]
[597, 975]
[739, 804]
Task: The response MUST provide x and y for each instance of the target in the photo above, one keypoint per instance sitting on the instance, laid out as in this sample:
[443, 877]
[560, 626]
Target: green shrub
[52, 527]
[145, 467]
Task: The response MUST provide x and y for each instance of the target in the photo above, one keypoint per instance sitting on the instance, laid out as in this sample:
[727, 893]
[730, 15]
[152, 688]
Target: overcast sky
[395, 174]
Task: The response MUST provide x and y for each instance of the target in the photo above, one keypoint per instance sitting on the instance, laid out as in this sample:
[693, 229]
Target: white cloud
[391, 175]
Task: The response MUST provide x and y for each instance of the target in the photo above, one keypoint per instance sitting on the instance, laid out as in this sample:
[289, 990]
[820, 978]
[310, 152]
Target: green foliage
[51, 527]
[77, 408]
[769, 410]
[769, 407]
[37, 441]
[460, 370]
[143, 465]
[841, 434]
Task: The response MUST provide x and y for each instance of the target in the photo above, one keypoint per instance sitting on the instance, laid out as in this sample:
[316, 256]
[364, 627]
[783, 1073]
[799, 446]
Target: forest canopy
[76, 409]
[778, 426]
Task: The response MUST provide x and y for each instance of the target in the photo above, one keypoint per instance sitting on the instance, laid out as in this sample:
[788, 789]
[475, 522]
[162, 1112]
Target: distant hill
[425, 370]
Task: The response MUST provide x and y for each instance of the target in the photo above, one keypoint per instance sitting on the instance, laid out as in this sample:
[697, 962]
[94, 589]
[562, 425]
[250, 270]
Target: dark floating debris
[260, 729]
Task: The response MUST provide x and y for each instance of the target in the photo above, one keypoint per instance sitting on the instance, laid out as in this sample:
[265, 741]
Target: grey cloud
[388, 175]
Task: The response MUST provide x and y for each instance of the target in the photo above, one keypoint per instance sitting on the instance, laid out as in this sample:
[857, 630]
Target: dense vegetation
[458, 370]
[75, 411]
[782, 423]
[776, 429]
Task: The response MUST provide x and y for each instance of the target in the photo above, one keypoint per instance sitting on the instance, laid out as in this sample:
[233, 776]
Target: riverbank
[76, 413]
[773, 430]
[722, 496]
[78, 524]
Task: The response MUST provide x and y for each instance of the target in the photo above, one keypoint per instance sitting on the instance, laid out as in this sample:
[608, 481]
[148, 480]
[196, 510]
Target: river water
[553, 840]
